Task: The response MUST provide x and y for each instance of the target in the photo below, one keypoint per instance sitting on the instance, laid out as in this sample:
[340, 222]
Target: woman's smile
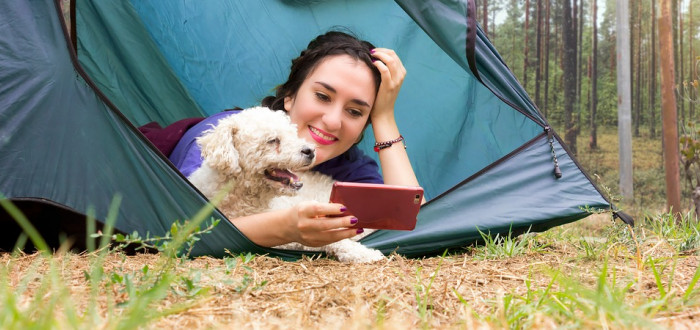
[322, 137]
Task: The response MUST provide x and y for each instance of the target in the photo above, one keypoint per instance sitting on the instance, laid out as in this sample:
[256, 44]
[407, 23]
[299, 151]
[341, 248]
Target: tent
[70, 104]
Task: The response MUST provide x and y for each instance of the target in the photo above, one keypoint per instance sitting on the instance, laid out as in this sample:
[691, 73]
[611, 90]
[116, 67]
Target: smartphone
[379, 206]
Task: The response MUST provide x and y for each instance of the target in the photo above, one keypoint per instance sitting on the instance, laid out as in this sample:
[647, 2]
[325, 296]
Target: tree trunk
[633, 81]
[558, 51]
[538, 50]
[680, 64]
[578, 30]
[485, 14]
[653, 70]
[638, 82]
[623, 99]
[569, 72]
[546, 59]
[527, 44]
[674, 31]
[691, 60]
[593, 143]
[668, 105]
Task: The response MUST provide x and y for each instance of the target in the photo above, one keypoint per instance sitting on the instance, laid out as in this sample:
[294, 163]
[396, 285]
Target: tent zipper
[550, 140]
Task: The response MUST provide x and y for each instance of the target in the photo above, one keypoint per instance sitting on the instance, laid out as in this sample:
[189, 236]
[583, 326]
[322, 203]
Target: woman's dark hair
[328, 44]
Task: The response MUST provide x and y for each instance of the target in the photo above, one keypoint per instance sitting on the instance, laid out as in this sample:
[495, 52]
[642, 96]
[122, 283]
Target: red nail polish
[360, 230]
[353, 220]
[343, 209]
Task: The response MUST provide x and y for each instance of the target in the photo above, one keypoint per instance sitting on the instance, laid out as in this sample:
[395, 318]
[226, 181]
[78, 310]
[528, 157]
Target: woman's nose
[333, 119]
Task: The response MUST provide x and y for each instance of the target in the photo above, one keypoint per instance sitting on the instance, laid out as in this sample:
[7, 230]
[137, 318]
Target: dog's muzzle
[309, 155]
[285, 177]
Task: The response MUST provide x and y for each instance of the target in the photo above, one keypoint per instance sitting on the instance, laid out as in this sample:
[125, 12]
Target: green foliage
[424, 300]
[683, 234]
[131, 296]
[568, 301]
[612, 301]
[499, 247]
[161, 244]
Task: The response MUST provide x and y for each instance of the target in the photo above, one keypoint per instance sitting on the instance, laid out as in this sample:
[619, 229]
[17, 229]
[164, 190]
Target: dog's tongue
[284, 176]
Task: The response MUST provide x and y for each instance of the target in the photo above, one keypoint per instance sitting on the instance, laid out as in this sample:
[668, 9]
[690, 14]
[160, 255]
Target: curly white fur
[236, 154]
[238, 151]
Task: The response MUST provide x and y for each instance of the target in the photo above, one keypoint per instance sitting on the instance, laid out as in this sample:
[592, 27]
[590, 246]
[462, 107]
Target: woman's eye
[323, 97]
[355, 112]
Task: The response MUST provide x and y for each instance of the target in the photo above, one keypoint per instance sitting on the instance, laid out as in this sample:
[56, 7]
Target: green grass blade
[691, 285]
[657, 278]
[25, 224]
[110, 221]
[90, 230]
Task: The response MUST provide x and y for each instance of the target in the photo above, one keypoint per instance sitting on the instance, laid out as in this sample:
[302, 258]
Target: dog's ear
[218, 149]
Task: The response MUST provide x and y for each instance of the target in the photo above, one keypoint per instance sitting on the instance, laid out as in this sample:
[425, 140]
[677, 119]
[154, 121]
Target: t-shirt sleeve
[187, 156]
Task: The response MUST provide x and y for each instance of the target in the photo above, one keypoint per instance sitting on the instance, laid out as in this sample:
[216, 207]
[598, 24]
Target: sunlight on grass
[591, 274]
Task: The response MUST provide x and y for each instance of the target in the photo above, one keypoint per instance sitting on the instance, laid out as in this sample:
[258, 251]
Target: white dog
[255, 154]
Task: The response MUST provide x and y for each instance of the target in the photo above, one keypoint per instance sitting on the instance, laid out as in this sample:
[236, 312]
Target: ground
[552, 279]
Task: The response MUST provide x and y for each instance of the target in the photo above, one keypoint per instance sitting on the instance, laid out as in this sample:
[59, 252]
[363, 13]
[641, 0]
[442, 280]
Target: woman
[335, 88]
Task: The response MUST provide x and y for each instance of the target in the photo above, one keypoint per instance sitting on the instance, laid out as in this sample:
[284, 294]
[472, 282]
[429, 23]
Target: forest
[565, 55]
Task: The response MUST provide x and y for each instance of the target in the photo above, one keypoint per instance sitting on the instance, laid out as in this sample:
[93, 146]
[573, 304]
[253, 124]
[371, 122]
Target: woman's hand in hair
[393, 73]
[396, 166]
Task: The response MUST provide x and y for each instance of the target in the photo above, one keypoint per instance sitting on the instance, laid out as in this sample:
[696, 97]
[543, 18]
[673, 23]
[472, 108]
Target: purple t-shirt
[352, 166]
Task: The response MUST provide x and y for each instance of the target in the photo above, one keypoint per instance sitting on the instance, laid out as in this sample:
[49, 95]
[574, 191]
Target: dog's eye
[273, 141]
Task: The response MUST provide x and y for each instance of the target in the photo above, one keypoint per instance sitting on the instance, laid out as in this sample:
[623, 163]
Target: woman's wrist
[290, 224]
[385, 128]
[381, 117]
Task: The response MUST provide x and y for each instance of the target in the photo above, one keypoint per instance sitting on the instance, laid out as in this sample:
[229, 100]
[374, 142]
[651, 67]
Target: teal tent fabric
[60, 141]
[138, 81]
[67, 124]
[233, 53]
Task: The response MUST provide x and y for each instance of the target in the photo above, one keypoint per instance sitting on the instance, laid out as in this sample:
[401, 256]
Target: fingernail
[353, 220]
[371, 51]
[343, 209]
[360, 230]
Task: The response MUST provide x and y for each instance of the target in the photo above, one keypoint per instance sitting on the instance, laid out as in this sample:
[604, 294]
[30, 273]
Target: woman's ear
[288, 103]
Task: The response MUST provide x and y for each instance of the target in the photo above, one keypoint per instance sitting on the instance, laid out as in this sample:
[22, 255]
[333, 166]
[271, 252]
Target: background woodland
[564, 53]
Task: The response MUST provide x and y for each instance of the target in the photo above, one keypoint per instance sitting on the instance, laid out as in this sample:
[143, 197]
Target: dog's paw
[368, 256]
[353, 252]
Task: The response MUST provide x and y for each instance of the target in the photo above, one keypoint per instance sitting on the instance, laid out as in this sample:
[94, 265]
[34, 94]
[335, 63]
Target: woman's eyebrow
[330, 88]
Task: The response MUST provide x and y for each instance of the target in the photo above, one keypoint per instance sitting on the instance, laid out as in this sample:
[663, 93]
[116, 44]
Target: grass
[647, 161]
[623, 278]
[594, 273]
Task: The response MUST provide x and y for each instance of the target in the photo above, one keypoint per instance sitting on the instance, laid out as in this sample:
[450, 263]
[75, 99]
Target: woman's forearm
[309, 223]
[265, 229]
[396, 166]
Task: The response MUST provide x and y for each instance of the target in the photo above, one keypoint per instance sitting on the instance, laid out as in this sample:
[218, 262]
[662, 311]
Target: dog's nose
[309, 152]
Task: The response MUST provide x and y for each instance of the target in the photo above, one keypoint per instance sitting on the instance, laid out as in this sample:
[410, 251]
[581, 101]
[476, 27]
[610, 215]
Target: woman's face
[333, 105]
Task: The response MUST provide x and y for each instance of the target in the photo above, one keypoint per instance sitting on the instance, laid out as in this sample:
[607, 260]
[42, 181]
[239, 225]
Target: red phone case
[379, 206]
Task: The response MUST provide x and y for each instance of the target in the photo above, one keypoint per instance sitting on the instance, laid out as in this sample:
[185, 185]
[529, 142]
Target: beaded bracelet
[386, 144]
